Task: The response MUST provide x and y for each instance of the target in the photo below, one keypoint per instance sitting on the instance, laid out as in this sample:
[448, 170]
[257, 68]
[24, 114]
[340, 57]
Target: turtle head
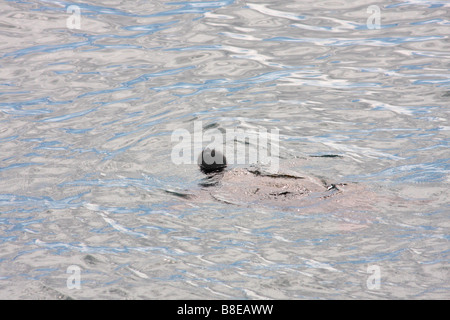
[211, 160]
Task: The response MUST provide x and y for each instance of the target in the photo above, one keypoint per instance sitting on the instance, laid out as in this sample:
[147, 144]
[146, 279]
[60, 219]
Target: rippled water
[87, 180]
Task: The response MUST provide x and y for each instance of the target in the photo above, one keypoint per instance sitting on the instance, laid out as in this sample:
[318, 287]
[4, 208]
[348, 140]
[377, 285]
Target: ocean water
[92, 205]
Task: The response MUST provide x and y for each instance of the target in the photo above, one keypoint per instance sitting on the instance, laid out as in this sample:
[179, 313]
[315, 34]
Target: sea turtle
[287, 190]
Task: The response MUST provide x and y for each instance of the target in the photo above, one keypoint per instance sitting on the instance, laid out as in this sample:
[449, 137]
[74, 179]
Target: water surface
[86, 117]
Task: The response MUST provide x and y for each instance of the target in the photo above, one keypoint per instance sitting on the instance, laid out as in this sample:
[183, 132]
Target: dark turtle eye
[218, 164]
